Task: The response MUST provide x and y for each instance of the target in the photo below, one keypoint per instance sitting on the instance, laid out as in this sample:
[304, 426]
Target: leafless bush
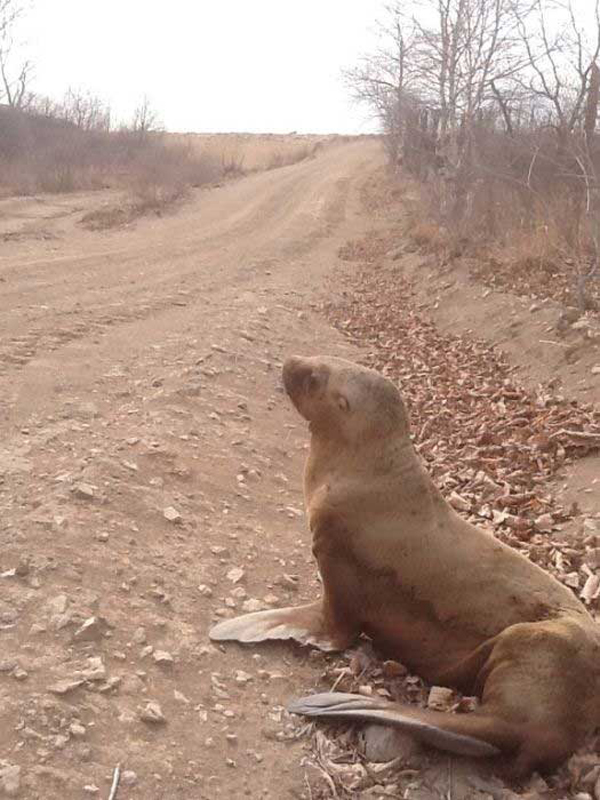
[232, 165]
[54, 151]
[161, 173]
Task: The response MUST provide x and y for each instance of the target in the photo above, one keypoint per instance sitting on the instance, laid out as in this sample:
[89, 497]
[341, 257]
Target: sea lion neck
[375, 456]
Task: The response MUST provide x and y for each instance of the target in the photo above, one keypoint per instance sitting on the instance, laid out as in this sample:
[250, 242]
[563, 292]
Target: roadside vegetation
[489, 111]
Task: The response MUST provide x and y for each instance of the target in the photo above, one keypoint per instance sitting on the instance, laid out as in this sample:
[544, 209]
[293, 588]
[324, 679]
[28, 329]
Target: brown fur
[439, 594]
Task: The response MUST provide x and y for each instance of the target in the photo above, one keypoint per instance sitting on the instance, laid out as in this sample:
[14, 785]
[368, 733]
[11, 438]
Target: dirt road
[150, 483]
[150, 476]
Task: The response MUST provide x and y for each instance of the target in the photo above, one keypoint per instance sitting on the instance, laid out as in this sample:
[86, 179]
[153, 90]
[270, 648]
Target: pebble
[252, 605]
[172, 515]
[96, 671]
[23, 567]
[60, 741]
[380, 743]
[152, 713]
[129, 777]
[84, 491]
[37, 628]
[440, 698]
[163, 657]
[289, 582]
[596, 370]
[271, 600]
[90, 631]
[236, 574]
[139, 636]
[64, 687]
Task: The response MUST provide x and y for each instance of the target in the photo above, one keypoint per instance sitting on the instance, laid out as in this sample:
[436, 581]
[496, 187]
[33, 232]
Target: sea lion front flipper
[463, 734]
[304, 624]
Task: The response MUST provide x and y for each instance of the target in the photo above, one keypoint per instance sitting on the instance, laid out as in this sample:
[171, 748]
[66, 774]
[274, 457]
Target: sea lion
[435, 592]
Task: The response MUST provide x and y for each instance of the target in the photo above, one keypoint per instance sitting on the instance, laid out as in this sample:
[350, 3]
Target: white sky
[209, 65]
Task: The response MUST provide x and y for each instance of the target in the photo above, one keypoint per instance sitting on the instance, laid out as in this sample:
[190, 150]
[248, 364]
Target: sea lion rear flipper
[304, 624]
[448, 732]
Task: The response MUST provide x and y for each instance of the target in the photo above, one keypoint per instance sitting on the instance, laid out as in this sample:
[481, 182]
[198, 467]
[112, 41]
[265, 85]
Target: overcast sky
[211, 65]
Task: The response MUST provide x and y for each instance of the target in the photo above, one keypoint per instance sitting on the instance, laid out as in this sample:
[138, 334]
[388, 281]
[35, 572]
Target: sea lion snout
[295, 372]
[300, 376]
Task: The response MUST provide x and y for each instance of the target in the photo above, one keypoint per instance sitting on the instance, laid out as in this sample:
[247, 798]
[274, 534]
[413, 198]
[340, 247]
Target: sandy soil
[139, 371]
[150, 481]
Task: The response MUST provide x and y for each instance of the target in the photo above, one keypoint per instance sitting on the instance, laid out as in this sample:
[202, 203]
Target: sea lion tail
[464, 734]
[304, 624]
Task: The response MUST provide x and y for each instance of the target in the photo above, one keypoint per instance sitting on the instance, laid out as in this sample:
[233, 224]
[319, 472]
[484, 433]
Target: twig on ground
[115, 783]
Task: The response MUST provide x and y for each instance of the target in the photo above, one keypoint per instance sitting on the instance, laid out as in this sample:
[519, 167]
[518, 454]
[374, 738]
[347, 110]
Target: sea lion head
[343, 400]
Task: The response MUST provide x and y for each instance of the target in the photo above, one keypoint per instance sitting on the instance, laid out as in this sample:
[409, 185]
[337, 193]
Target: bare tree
[559, 64]
[440, 69]
[85, 110]
[15, 72]
[145, 119]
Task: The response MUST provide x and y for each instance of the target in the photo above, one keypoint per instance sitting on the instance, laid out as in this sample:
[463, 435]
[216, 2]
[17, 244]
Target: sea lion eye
[343, 403]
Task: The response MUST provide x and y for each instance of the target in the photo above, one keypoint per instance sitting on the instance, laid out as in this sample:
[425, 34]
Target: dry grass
[529, 255]
[249, 152]
[530, 213]
[158, 179]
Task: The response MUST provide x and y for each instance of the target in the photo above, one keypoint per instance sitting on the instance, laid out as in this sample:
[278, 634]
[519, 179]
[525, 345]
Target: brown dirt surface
[150, 479]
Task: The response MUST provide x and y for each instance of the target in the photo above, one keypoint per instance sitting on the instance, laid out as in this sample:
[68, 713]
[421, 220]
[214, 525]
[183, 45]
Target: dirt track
[139, 371]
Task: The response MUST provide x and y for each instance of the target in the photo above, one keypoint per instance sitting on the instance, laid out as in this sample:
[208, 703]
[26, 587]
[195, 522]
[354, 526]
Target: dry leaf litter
[492, 447]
